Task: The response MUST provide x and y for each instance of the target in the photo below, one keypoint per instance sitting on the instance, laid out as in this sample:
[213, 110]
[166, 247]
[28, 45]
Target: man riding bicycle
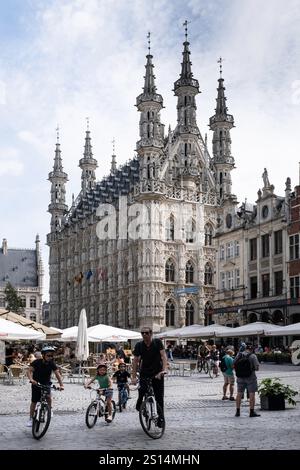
[40, 371]
[150, 356]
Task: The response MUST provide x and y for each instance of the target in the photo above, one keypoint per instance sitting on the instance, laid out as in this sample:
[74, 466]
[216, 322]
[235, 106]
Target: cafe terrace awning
[289, 330]
[10, 331]
[251, 329]
[16, 318]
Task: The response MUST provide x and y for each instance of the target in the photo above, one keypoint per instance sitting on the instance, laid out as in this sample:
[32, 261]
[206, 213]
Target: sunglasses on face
[49, 355]
[145, 332]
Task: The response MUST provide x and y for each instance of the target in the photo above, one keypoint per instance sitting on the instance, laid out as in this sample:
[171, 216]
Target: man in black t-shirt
[40, 371]
[150, 355]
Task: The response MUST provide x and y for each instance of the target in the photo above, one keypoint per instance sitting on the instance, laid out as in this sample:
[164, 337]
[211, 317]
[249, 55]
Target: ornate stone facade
[137, 247]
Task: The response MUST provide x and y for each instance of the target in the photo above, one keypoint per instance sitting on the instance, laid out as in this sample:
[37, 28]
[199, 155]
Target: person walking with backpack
[227, 370]
[245, 365]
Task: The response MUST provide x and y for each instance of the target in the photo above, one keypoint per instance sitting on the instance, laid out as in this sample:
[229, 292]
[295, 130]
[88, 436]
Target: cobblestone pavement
[196, 418]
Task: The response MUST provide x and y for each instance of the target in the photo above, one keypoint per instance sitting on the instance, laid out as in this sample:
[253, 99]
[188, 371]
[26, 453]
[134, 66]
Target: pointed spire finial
[220, 61]
[149, 42]
[113, 142]
[185, 24]
[87, 123]
[57, 134]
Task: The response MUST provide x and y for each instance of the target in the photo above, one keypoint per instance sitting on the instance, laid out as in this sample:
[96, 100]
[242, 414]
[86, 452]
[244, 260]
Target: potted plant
[273, 394]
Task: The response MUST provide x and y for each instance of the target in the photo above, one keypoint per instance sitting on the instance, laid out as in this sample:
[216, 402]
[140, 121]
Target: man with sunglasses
[151, 358]
[40, 371]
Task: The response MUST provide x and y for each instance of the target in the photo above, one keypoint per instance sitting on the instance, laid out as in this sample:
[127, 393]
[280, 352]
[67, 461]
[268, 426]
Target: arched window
[23, 301]
[170, 229]
[189, 313]
[277, 317]
[208, 235]
[148, 299]
[170, 271]
[190, 231]
[2, 301]
[252, 317]
[189, 273]
[32, 302]
[170, 313]
[208, 275]
[208, 313]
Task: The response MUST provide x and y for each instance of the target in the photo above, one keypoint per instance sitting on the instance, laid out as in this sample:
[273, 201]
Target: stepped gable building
[156, 265]
[23, 269]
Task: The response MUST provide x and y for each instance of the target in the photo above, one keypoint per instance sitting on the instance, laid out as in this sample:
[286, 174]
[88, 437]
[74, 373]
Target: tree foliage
[14, 302]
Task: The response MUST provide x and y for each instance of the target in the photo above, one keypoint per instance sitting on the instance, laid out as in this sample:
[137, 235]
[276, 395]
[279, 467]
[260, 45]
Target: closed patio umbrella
[82, 344]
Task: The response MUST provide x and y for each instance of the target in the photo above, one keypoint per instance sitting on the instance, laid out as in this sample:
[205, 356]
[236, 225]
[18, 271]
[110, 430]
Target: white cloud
[10, 164]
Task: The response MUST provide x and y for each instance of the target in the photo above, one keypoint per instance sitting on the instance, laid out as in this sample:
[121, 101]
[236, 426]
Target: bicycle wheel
[120, 403]
[41, 420]
[200, 365]
[124, 398]
[205, 367]
[153, 426]
[91, 415]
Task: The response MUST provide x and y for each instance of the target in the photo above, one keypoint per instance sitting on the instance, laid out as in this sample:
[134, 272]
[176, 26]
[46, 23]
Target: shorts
[109, 393]
[228, 379]
[244, 384]
[36, 393]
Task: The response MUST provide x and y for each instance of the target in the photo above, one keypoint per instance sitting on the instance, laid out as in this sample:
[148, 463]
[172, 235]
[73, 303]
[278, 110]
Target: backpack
[243, 366]
[223, 365]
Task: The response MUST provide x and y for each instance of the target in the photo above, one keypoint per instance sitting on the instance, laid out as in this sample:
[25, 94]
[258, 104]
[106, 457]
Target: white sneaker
[52, 413]
[109, 419]
[29, 423]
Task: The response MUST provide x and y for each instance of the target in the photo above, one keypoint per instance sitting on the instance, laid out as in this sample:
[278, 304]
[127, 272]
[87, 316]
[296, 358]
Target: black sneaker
[137, 406]
[237, 413]
[253, 415]
[160, 422]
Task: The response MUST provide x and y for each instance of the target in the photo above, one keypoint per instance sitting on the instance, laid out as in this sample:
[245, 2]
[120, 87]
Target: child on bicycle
[122, 376]
[104, 381]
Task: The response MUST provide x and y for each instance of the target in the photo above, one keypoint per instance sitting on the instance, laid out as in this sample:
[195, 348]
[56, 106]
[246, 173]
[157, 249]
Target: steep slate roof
[107, 190]
[19, 267]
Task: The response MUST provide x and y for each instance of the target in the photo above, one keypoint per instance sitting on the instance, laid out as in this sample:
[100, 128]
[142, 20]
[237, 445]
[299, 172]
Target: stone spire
[186, 88]
[88, 164]
[151, 131]
[113, 167]
[58, 178]
[221, 124]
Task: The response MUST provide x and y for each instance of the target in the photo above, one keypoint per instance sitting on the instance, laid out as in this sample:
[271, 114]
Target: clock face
[228, 220]
[265, 211]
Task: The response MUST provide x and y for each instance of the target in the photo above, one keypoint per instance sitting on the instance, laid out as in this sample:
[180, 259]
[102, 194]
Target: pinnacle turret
[58, 179]
[150, 103]
[221, 124]
[88, 164]
[186, 88]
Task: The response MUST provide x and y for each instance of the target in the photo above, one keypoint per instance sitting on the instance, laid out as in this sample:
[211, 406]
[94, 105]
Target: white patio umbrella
[178, 332]
[206, 331]
[99, 333]
[291, 330]
[11, 331]
[82, 344]
[251, 329]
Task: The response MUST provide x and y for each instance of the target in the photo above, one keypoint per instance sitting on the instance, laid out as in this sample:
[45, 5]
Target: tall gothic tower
[88, 164]
[149, 104]
[58, 179]
[58, 209]
[221, 124]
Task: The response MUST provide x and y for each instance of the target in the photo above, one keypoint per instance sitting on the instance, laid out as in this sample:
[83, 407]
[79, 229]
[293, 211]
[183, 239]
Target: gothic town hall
[129, 270]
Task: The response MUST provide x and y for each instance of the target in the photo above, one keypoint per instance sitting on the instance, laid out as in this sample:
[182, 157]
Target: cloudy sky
[64, 60]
